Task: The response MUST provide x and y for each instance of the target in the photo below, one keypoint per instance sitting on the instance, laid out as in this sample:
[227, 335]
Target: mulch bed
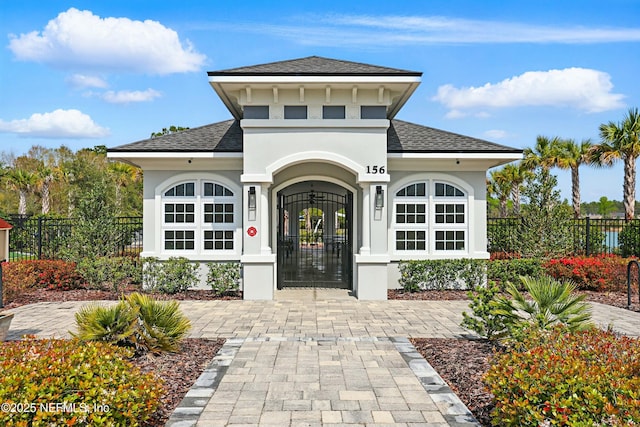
[178, 371]
[462, 363]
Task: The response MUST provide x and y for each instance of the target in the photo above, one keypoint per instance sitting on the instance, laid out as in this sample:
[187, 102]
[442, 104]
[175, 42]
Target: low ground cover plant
[67, 382]
[565, 378]
[136, 321]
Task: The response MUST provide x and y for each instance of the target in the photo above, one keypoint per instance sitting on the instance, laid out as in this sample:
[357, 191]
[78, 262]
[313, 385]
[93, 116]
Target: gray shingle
[225, 137]
[405, 137]
[402, 137]
[314, 65]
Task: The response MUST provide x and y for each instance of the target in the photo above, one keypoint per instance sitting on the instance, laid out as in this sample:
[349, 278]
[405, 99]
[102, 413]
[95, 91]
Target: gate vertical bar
[40, 237]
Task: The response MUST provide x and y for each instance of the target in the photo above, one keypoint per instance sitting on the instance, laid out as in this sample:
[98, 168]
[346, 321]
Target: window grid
[430, 211]
[218, 240]
[411, 240]
[411, 213]
[179, 213]
[450, 240]
[213, 203]
[179, 240]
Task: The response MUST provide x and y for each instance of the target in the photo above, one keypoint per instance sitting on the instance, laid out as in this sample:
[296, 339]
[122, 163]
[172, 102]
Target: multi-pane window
[407, 240]
[199, 216]
[179, 240]
[430, 216]
[411, 211]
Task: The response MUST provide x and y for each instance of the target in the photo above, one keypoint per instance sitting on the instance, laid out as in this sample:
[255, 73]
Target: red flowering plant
[595, 273]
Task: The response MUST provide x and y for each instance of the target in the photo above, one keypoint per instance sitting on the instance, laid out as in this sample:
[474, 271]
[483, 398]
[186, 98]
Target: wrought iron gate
[315, 240]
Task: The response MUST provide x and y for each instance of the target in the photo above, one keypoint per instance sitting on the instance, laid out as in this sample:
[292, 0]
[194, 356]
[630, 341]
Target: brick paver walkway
[314, 358]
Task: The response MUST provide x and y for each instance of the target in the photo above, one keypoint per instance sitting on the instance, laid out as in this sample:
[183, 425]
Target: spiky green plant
[162, 325]
[115, 324]
[136, 321]
[550, 302]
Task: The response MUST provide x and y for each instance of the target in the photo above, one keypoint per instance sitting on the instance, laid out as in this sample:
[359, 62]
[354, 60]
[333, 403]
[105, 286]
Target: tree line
[53, 181]
[619, 141]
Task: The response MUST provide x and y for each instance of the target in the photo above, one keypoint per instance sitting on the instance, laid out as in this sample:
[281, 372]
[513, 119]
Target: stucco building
[313, 182]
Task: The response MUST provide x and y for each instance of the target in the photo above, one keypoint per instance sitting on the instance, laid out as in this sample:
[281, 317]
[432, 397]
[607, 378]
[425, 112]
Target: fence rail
[46, 238]
[590, 236]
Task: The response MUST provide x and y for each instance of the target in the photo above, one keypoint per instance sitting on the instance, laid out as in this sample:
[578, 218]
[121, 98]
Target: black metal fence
[590, 236]
[46, 238]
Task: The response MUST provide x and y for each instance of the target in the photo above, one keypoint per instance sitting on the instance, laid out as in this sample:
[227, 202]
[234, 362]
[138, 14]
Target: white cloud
[79, 39]
[80, 81]
[496, 134]
[125, 96]
[581, 88]
[56, 124]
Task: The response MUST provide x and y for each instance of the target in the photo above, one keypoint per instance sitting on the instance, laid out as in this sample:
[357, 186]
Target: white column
[365, 249]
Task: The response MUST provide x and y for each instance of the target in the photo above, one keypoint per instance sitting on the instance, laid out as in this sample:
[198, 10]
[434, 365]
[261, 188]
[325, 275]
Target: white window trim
[199, 253]
[431, 226]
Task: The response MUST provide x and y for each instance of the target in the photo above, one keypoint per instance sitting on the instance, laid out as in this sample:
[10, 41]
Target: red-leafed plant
[566, 378]
[597, 273]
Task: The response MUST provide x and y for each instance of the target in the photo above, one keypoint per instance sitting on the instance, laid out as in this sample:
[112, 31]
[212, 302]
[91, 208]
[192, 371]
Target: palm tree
[571, 156]
[44, 178]
[621, 141]
[516, 174]
[122, 174]
[500, 185]
[544, 154]
[22, 181]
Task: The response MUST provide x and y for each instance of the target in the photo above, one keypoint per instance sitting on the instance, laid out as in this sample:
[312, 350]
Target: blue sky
[86, 73]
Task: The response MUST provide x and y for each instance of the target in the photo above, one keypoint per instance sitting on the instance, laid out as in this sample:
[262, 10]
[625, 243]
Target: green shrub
[109, 273]
[136, 321]
[224, 277]
[585, 378]
[115, 324]
[177, 274]
[94, 381]
[484, 321]
[441, 274]
[510, 270]
[162, 326]
[629, 240]
[550, 302]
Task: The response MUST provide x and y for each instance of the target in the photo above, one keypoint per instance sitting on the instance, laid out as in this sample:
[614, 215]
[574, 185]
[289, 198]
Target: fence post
[40, 237]
[587, 248]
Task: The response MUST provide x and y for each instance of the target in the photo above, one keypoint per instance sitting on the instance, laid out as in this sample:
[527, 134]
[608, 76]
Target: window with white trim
[410, 217]
[199, 217]
[430, 217]
[450, 224]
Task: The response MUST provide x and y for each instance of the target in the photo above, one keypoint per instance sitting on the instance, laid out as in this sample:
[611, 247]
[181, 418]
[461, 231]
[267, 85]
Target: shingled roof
[227, 137]
[406, 137]
[314, 66]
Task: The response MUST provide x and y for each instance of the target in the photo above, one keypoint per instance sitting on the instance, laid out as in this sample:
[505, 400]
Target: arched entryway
[315, 236]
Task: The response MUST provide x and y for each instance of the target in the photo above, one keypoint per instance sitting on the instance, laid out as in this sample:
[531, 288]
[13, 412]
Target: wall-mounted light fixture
[379, 197]
[251, 203]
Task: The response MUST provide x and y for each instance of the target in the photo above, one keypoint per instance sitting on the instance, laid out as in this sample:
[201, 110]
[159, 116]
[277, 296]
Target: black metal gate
[315, 240]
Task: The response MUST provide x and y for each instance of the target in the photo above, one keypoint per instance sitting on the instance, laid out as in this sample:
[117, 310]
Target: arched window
[199, 216]
[430, 217]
